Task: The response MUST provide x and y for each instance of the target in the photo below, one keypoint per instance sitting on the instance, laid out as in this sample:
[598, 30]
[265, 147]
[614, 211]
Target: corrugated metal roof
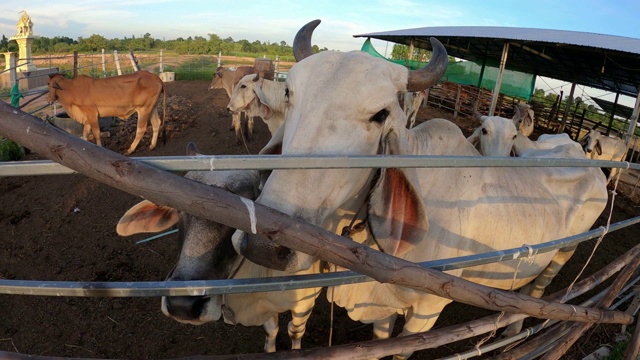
[601, 61]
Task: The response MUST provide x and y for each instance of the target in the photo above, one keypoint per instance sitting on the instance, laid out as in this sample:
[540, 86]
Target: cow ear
[598, 148]
[265, 109]
[274, 146]
[397, 215]
[146, 217]
[474, 139]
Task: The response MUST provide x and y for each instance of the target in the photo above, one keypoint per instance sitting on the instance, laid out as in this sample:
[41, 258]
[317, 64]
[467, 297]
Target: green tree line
[212, 44]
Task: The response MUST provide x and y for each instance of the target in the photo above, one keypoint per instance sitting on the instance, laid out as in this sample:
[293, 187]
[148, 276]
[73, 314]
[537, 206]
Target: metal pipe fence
[238, 286]
[263, 162]
[268, 162]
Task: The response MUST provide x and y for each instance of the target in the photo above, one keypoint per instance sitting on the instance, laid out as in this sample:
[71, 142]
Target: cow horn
[56, 86]
[429, 75]
[476, 113]
[302, 42]
[257, 77]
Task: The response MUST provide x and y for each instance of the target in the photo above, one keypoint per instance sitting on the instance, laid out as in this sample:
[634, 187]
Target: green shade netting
[514, 83]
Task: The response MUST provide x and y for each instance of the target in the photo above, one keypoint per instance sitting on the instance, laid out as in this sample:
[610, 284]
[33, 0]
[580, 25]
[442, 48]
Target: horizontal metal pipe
[265, 162]
[236, 286]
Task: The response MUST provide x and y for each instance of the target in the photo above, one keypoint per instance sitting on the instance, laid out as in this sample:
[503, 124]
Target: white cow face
[338, 104]
[243, 97]
[593, 147]
[495, 136]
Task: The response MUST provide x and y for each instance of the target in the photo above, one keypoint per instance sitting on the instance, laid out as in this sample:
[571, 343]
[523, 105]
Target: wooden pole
[563, 123]
[117, 59]
[613, 113]
[161, 63]
[578, 329]
[207, 202]
[75, 63]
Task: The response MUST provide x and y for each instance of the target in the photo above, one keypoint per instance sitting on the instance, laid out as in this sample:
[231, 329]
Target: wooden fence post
[13, 69]
[75, 63]
[117, 58]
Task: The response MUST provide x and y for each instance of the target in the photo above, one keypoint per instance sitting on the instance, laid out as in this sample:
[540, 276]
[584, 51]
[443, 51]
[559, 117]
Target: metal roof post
[410, 54]
[567, 108]
[496, 90]
[634, 120]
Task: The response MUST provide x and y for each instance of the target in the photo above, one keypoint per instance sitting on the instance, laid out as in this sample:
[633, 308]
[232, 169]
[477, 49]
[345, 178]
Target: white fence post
[161, 64]
[104, 65]
[134, 63]
[115, 55]
[219, 58]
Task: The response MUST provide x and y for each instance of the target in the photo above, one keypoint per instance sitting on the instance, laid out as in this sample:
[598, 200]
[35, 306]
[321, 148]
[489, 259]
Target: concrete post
[117, 58]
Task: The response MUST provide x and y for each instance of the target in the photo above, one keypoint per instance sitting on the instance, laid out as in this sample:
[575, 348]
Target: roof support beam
[634, 120]
[563, 124]
[496, 90]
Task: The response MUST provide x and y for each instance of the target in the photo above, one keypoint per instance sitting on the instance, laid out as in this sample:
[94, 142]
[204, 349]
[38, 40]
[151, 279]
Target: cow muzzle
[187, 309]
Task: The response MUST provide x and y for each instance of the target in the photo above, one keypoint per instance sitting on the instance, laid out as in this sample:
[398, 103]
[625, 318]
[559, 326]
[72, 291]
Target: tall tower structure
[24, 37]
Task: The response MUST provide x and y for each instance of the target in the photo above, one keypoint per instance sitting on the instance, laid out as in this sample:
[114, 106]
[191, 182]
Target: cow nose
[186, 307]
[589, 150]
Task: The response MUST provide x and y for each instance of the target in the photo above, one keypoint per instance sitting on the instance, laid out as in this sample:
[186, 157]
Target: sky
[279, 20]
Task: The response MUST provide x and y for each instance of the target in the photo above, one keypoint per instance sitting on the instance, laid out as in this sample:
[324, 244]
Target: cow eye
[484, 131]
[243, 86]
[380, 116]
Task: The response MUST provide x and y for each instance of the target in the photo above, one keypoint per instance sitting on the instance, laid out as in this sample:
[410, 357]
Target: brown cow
[227, 79]
[86, 99]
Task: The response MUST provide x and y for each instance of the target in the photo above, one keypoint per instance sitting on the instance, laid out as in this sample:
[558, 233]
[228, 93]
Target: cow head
[343, 104]
[495, 136]
[248, 96]
[216, 83]
[206, 253]
[593, 146]
[523, 119]
[54, 86]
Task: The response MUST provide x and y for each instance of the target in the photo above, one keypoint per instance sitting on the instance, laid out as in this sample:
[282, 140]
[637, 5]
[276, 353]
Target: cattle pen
[106, 289]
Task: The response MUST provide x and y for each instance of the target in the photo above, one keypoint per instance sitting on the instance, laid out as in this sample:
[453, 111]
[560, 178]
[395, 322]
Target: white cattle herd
[346, 103]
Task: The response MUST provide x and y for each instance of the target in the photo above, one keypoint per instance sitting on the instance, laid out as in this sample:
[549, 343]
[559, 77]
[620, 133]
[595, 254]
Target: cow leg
[299, 316]
[237, 124]
[155, 125]
[538, 285]
[382, 329]
[417, 322]
[271, 331]
[249, 128]
[143, 119]
[91, 122]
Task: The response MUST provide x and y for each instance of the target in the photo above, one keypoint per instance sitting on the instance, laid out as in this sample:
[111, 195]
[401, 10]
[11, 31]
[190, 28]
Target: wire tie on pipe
[478, 350]
[458, 356]
[530, 254]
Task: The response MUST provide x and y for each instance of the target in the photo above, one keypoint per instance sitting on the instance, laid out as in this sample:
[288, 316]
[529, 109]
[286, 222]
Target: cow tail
[163, 127]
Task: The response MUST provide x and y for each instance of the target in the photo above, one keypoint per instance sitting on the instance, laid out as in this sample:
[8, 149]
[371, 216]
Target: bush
[10, 151]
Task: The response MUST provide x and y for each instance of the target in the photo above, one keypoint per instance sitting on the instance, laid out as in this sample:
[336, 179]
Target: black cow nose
[186, 307]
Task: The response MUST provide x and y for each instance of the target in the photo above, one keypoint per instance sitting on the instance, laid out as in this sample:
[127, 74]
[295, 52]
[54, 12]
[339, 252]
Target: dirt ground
[62, 228]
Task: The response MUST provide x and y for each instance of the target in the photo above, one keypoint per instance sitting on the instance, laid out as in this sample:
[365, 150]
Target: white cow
[207, 253]
[260, 97]
[415, 214]
[498, 136]
[602, 147]
[411, 103]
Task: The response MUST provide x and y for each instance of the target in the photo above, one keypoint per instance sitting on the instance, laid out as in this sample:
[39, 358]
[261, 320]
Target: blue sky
[275, 21]
[278, 20]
